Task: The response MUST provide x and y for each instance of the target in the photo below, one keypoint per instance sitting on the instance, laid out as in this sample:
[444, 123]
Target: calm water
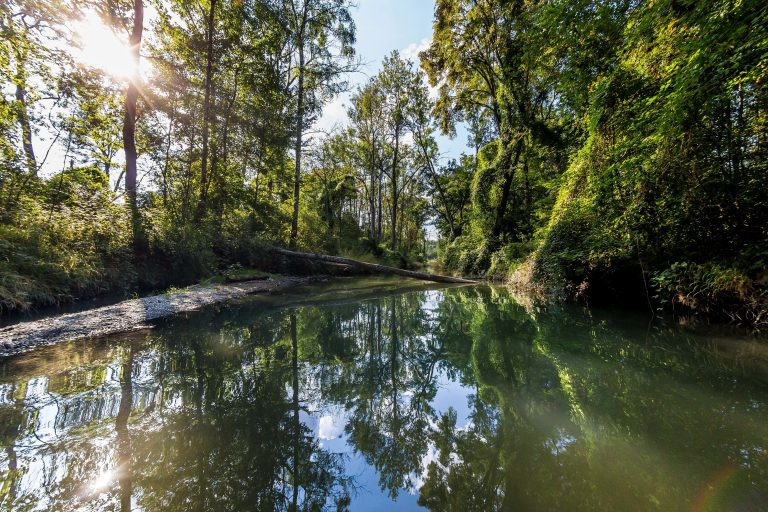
[366, 395]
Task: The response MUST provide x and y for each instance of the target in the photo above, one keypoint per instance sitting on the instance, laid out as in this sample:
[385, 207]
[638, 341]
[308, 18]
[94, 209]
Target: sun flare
[101, 48]
[102, 481]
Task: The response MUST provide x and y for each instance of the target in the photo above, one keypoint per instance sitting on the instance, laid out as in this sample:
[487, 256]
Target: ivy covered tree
[620, 146]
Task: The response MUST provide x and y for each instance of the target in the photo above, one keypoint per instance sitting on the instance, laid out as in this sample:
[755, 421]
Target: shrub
[52, 252]
[714, 288]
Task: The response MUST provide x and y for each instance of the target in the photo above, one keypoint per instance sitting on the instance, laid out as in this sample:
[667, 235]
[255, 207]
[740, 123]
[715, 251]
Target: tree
[29, 65]
[321, 35]
[450, 196]
[366, 117]
[397, 79]
[483, 57]
[129, 122]
[209, 57]
[21, 54]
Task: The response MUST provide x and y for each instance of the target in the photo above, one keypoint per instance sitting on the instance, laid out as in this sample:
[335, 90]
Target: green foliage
[506, 260]
[467, 255]
[56, 251]
[652, 150]
[186, 248]
[613, 142]
[715, 289]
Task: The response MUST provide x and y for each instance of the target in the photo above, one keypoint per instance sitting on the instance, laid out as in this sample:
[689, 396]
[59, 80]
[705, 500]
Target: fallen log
[373, 267]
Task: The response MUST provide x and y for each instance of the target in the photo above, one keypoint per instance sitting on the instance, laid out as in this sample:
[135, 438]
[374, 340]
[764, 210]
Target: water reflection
[448, 399]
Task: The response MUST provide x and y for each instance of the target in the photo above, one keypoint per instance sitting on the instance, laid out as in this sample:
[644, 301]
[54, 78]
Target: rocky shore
[131, 314]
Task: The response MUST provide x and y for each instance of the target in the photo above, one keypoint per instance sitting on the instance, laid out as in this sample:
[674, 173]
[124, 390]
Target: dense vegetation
[622, 146]
[619, 147]
[207, 132]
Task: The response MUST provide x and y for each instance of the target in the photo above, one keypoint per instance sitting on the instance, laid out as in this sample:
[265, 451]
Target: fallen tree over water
[373, 268]
[136, 313]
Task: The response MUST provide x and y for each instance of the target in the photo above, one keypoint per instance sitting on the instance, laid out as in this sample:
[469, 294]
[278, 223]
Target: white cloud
[334, 114]
[330, 427]
[412, 51]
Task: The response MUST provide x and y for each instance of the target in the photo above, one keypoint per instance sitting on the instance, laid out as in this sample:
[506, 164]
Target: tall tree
[129, 121]
[423, 128]
[482, 57]
[366, 116]
[398, 81]
[209, 57]
[321, 35]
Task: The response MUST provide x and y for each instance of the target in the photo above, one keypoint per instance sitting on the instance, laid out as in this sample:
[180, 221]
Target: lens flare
[101, 48]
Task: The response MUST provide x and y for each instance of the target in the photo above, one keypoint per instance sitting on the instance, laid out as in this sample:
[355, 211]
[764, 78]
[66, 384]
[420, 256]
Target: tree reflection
[386, 384]
[463, 396]
[556, 428]
[248, 447]
[123, 436]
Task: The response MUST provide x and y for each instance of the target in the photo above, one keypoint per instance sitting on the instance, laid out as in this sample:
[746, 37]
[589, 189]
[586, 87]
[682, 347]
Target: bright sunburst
[102, 48]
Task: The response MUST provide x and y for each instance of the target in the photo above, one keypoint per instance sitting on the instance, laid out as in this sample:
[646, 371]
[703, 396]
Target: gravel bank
[128, 315]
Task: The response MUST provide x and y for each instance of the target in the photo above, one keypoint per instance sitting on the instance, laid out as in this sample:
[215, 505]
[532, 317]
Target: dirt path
[128, 315]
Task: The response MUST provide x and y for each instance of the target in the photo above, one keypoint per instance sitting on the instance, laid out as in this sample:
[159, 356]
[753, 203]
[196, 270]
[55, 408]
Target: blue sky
[383, 26]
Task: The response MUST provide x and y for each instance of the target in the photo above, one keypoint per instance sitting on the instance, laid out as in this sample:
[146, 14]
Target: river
[379, 394]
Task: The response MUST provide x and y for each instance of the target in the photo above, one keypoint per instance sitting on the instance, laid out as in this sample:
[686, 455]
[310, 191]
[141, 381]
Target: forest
[618, 148]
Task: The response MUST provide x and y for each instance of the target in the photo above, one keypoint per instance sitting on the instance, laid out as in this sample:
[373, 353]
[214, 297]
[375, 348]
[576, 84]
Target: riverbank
[133, 314]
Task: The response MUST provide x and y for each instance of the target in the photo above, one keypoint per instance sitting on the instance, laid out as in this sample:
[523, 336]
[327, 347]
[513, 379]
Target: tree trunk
[107, 164]
[739, 157]
[380, 216]
[509, 178]
[299, 136]
[527, 196]
[372, 197]
[296, 419]
[206, 112]
[166, 165]
[129, 121]
[22, 114]
[395, 189]
[224, 152]
[393, 366]
[439, 188]
[123, 436]
[26, 129]
[372, 267]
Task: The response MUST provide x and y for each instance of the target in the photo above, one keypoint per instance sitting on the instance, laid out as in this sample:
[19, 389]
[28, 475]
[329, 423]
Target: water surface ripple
[371, 395]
